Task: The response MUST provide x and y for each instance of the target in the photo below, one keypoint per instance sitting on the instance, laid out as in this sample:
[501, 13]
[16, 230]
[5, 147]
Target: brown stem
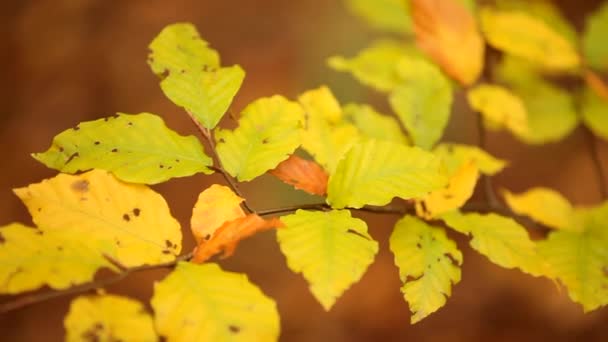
[487, 181]
[207, 134]
[34, 298]
[597, 163]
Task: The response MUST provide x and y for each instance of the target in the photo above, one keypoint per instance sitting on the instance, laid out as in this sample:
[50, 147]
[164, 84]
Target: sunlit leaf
[594, 38]
[374, 125]
[546, 11]
[501, 239]
[205, 303]
[108, 318]
[580, 259]
[331, 249]
[376, 171]
[268, 132]
[191, 74]
[522, 35]
[595, 112]
[454, 156]
[31, 258]
[544, 205]
[422, 101]
[429, 264]
[215, 206]
[385, 15]
[326, 136]
[129, 223]
[135, 148]
[227, 237]
[302, 174]
[376, 66]
[458, 191]
[499, 107]
[447, 31]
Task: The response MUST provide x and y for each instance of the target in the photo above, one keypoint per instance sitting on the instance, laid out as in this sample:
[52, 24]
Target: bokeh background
[66, 61]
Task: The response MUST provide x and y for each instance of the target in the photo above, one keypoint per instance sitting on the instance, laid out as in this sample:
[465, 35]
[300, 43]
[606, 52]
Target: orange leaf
[227, 237]
[447, 31]
[302, 174]
[214, 207]
[597, 84]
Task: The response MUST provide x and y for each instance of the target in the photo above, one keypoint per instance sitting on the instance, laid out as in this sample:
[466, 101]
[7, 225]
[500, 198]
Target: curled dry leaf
[227, 237]
[447, 31]
[215, 206]
[303, 174]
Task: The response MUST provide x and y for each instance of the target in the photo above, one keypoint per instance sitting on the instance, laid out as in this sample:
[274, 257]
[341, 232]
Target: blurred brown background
[66, 61]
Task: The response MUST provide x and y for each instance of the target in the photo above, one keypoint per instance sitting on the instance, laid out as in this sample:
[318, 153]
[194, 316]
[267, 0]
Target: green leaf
[525, 36]
[594, 38]
[129, 223]
[580, 259]
[135, 148]
[179, 47]
[501, 239]
[422, 101]
[454, 156]
[327, 137]
[376, 171]
[374, 125]
[205, 303]
[108, 318]
[383, 15]
[31, 258]
[543, 10]
[331, 249]
[543, 205]
[429, 263]
[376, 66]
[269, 131]
[595, 113]
[191, 73]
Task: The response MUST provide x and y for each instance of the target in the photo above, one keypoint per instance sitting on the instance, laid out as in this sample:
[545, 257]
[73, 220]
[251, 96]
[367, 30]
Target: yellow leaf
[129, 223]
[544, 206]
[31, 258]
[108, 318]
[215, 206]
[458, 191]
[454, 156]
[499, 107]
[206, 303]
[323, 103]
[522, 35]
[447, 31]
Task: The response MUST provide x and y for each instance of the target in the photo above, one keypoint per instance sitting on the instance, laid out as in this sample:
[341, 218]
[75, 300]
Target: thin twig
[206, 133]
[38, 297]
[597, 163]
[487, 181]
[290, 209]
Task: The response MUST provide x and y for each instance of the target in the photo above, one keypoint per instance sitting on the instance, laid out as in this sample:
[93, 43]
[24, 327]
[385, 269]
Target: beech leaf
[454, 156]
[302, 174]
[374, 125]
[543, 205]
[215, 206]
[594, 38]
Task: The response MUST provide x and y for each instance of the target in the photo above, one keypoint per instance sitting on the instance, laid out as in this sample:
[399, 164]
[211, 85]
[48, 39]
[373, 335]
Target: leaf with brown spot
[215, 206]
[227, 237]
[447, 31]
[303, 174]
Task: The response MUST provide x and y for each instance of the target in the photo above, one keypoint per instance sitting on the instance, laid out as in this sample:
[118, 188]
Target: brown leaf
[447, 31]
[302, 174]
[597, 84]
[227, 237]
[215, 206]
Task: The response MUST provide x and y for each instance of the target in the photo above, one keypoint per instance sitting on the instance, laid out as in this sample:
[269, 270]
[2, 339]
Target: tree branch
[206, 133]
[597, 163]
[29, 299]
[488, 188]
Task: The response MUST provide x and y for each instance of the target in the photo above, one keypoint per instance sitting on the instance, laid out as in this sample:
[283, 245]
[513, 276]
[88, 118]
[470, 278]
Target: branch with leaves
[351, 156]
